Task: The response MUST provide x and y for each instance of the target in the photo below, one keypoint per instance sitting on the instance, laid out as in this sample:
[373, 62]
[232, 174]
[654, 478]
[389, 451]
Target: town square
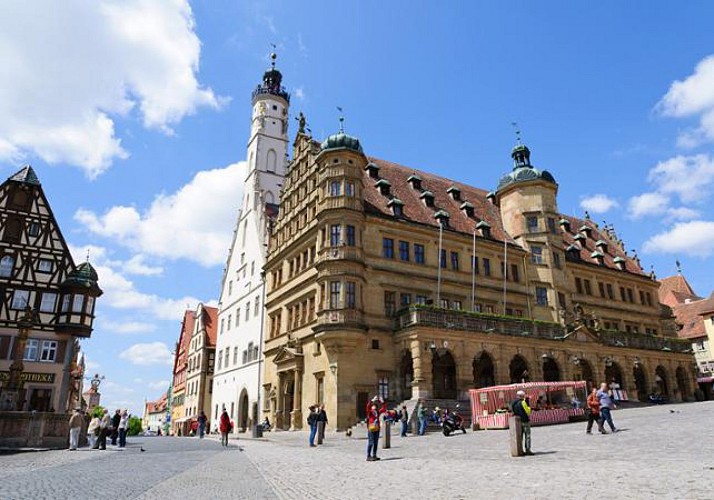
[270, 250]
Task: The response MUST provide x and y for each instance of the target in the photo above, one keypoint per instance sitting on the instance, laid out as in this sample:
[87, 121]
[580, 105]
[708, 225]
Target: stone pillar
[515, 438]
[296, 413]
[419, 388]
[62, 401]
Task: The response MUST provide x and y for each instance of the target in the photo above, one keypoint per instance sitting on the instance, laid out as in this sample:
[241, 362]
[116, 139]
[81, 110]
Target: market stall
[552, 403]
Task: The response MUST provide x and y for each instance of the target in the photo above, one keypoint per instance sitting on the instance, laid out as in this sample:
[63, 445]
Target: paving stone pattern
[662, 452]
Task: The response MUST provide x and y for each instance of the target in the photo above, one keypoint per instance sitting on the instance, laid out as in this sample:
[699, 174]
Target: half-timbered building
[47, 303]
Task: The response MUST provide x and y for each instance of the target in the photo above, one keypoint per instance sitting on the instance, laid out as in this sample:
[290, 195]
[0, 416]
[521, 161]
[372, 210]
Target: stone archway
[443, 368]
[406, 371]
[661, 384]
[613, 373]
[551, 371]
[682, 383]
[518, 370]
[484, 370]
[587, 374]
[640, 376]
[243, 408]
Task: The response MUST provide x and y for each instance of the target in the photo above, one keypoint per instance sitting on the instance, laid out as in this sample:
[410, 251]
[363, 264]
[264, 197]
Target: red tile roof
[675, 290]
[689, 317]
[210, 322]
[415, 210]
[181, 357]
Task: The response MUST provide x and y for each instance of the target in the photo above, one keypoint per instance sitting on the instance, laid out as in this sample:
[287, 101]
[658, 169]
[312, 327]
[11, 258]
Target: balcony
[340, 316]
[279, 91]
[476, 322]
[331, 254]
[337, 202]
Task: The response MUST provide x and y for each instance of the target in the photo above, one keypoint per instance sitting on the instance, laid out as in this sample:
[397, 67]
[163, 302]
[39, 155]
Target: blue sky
[135, 115]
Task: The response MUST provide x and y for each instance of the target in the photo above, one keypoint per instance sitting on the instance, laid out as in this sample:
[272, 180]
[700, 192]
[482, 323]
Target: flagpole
[473, 275]
[505, 272]
[438, 263]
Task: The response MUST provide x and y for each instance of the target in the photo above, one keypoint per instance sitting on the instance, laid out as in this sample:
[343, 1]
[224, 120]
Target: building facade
[241, 311]
[386, 280]
[154, 418]
[178, 384]
[47, 303]
[200, 363]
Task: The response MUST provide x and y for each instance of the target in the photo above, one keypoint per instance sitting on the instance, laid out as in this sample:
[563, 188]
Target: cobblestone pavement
[660, 452]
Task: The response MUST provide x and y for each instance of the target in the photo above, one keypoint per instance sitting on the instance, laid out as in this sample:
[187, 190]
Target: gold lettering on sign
[36, 378]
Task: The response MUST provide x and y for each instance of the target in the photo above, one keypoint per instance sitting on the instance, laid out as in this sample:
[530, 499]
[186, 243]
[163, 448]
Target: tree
[97, 411]
[134, 426]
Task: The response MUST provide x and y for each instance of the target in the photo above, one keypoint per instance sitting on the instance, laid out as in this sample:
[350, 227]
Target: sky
[135, 114]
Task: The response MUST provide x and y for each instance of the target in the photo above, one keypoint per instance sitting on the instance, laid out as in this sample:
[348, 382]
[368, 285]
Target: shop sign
[34, 378]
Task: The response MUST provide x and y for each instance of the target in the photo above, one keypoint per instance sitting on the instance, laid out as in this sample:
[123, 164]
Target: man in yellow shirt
[521, 409]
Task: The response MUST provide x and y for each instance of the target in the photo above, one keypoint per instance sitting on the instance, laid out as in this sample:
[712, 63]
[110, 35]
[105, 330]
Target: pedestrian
[606, 406]
[321, 423]
[404, 418]
[202, 424]
[93, 431]
[521, 409]
[105, 424]
[115, 427]
[421, 415]
[123, 427]
[75, 426]
[373, 427]
[593, 411]
[312, 423]
[224, 426]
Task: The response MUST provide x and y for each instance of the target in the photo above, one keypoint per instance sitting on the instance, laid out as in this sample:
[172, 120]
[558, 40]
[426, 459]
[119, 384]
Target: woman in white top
[123, 427]
[92, 431]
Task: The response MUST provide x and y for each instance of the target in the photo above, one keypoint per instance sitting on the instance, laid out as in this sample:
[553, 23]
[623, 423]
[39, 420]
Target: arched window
[6, 265]
[269, 197]
[271, 161]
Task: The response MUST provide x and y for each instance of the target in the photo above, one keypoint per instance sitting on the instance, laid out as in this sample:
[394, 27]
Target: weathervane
[518, 132]
[342, 121]
[273, 55]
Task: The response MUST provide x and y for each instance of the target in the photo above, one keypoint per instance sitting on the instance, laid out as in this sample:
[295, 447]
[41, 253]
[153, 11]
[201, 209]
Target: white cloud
[121, 293]
[685, 238]
[151, 353]
[647, 204]
[136, 265]
[195, 223]
[91, 366]
[299, 93]
[158, 385]
[126, 328]
[693, 96]
[685, 176]
[682, 213]
[598, 203]
[69, 72]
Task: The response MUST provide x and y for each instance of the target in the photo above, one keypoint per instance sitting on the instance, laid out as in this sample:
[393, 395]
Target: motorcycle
[452, 422]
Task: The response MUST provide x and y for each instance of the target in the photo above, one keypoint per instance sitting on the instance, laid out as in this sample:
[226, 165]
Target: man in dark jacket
[321, 423]
[115, 427]
[312, 423]
[521, 409]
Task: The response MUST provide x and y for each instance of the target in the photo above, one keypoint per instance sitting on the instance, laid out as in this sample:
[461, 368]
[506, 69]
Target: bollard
[257, 431]
[320, 432]
[515, 437]
[387, 443]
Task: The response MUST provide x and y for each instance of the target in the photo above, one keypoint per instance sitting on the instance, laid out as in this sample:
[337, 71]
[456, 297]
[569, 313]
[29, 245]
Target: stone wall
[21, 429]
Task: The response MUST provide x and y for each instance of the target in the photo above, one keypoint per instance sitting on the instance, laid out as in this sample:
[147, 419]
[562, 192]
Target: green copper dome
[341, 141]
[84, 277]
[523, 171]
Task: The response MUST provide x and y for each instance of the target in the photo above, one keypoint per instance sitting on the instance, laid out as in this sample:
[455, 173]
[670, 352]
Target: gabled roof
[414, 208]
[26, 175]
[689, 315]
[210, 322]
[588, 245]
[675, 290]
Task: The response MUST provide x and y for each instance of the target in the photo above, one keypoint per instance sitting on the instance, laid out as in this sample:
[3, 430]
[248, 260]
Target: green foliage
[134, 426]
[97, 411]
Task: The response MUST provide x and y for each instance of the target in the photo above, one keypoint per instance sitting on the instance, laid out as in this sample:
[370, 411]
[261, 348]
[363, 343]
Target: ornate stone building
[46, 303]
[388, 280]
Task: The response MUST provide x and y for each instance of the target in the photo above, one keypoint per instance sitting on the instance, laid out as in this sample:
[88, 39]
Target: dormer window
[580, 238]
[572, 253]
[455, 193]
[373, 170]
[383, 185]
[491, 197]
[484, 228]
[415, 181]
[620, 263]
[428, 198]
[468, 208]
[600, 258]
[585, 231]
[397, 206]
[564, 225]
[601, 246]
[443, 217]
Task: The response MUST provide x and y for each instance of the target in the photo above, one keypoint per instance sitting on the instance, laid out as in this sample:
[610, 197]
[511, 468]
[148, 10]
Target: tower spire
[342, 120]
